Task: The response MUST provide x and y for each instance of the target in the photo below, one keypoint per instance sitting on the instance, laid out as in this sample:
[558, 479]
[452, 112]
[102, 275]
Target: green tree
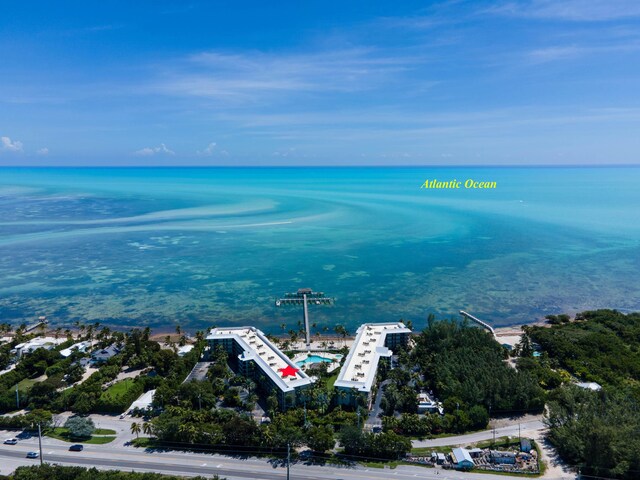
[320, 439]
[135, 429]
[80, 427]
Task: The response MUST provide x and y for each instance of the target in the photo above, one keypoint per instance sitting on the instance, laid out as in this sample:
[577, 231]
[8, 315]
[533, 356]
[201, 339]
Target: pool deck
[333, 357]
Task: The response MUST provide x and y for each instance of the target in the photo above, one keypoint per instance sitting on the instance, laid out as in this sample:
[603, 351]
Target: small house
[104, 354]
[525, 445]
[461, 459]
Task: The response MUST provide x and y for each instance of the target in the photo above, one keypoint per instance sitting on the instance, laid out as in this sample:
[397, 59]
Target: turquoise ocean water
[194, 246]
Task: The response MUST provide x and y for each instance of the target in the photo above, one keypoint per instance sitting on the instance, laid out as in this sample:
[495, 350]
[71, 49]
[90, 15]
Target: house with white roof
[76, 347]
[373, 342]
[252, 354]
[36, 343]
[461, 459]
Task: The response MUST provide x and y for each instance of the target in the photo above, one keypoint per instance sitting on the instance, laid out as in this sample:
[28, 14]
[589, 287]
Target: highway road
[527, 429]
[193, 464]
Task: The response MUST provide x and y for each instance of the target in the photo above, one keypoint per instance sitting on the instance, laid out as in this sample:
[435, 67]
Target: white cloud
[550, 54]
[42, 151]
[8, 146]
[572, 10]
[253, 75]
[148, 151]
[207, 152]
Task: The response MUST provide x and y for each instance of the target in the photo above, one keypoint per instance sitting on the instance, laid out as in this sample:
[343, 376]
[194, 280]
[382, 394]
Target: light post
[288, 458]
[40, 442]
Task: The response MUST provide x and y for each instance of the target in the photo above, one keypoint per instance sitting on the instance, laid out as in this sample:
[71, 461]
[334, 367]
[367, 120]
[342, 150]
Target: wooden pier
[479, 322]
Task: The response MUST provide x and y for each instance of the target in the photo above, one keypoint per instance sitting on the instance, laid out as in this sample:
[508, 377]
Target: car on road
[76, 448]
[33, 455]
[11, 441]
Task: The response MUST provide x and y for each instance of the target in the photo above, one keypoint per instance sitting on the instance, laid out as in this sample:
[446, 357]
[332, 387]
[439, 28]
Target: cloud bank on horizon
[244, 83]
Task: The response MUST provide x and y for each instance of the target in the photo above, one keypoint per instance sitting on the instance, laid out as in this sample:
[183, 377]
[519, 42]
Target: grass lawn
[62, 433]
[331, 380]
[104, 431]
[119, 388]
[144, 442]
[27, 383]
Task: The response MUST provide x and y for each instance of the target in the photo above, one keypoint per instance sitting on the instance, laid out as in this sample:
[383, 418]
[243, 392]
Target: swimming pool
[316, 359]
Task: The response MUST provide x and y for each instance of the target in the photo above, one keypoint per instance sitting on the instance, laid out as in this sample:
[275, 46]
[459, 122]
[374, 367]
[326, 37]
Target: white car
[11, 441]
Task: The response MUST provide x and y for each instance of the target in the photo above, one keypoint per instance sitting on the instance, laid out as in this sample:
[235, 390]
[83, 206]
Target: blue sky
[320, 83]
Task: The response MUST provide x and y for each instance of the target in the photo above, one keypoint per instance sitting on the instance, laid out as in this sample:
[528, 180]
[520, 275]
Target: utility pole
[519, 437]
[200, 401]
[40, 441]
[288, 458]
[17, 398]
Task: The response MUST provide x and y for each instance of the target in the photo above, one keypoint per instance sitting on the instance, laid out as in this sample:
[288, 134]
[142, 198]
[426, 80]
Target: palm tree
[147, 428]
[135, 428]
[90, 332]
[178, 329]
[58, 331]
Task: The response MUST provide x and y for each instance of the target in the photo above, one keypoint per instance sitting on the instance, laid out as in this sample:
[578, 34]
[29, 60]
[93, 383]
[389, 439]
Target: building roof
[461, 455]
[501, 453]
[257, 347]
[108, 352]
[359, 369]
[143, 401]
[39, 342]
[184, 349]
[80, 346]
[590, 385]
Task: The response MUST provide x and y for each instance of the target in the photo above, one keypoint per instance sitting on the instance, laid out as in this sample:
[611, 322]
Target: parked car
[11, 441]
[33, 455]
[76, 448]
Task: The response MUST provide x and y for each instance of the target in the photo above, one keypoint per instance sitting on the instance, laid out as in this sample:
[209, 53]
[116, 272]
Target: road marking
[218, 466]
[203, 465]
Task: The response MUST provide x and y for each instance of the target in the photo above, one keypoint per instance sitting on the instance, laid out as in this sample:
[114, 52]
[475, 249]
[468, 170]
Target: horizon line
[533, 165]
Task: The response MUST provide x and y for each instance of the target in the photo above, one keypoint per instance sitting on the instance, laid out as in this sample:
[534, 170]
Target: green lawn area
[104, 431]
[27, 383]
[62, 433]
[331, 380]
[118, 388]
[144, 442]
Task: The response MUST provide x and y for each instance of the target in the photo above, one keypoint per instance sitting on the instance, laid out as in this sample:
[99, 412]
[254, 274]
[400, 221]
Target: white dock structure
[373, 341]
[254, 356]
[479, 322]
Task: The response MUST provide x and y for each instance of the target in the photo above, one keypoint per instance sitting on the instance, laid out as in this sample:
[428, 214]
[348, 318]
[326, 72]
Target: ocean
[216, 246]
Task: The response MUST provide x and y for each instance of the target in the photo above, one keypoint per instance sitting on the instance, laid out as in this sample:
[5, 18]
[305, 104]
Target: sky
[502, 82]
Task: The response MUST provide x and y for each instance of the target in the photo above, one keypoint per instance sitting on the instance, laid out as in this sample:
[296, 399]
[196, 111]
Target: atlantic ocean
[216, 246]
